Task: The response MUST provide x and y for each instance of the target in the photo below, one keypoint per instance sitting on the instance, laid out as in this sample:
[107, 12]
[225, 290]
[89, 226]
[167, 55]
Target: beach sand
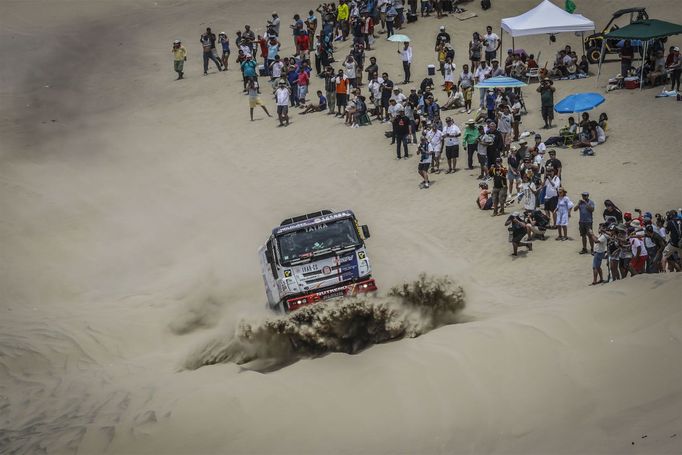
[133, 206]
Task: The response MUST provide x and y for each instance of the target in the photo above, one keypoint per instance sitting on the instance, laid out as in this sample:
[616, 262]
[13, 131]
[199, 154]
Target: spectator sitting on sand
[484, 201]
[320, 106]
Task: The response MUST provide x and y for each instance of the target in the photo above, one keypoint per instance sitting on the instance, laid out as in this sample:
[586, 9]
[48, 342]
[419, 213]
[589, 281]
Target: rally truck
[315, 257]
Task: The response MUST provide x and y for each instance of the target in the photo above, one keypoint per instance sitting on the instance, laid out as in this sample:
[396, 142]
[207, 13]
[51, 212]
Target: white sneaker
[426, 184]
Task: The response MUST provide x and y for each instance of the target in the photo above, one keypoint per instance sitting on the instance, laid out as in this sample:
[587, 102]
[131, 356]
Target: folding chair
[533, 73]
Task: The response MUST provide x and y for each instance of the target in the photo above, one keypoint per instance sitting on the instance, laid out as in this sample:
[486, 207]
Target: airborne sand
[132, 206]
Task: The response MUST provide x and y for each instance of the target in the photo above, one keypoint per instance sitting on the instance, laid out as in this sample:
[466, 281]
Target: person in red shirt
[303, 45]
[303, 81]
[263, 43]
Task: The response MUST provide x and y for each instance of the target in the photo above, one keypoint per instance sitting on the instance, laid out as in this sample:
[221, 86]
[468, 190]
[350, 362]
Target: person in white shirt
[482, 73]
[601, 135]
[451, 134]
[600, 247]
[466, 84]
[504, 126]
[406, 57]
[435, 137]
[398, 96]
[492, 43]
[449, 75]
[282, 96]
[552, 184]
[529, 190]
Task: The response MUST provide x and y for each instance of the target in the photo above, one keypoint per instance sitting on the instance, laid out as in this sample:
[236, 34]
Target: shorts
[483, 160]
[341, 99]
[550, 204]
[384, 102]
[596, 260]
[255, 101]
[584, 228]
[638, 263]
[490, 55]
[507, 138]
[423, 166]
[302, 91]
[512, 176]
[282, 110]
[518, 237]
[547, 112]
[670, 249]
[452, 151]
[468, 93]
[436, 153]
[499, 196]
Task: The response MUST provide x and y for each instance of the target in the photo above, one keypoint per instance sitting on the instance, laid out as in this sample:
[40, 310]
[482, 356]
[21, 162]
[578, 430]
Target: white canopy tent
[546, 18]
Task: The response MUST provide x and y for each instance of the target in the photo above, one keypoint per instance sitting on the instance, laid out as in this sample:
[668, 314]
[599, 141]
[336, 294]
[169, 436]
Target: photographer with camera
[673, 226]
[546, 91]
[600, 243]
[517, 231]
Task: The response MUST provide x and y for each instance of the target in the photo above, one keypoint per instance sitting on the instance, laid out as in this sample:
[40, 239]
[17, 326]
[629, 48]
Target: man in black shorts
[425, 159]
[518, 230]
[451, 134]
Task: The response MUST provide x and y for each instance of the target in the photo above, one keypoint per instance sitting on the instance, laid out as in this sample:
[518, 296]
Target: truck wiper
[343, 248]
[322, 251]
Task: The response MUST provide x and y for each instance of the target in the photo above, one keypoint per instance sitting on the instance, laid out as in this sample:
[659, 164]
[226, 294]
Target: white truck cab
[315, 257]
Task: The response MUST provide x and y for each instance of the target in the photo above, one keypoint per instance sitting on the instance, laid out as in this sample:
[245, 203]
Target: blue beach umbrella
[501, 82]
[579, 102]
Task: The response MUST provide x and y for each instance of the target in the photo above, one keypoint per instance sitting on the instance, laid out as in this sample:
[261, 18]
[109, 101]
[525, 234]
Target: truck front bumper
[347, 290]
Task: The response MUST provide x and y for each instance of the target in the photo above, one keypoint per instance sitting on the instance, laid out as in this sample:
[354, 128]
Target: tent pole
[501, 35]
[513, 46]
[601, 57]
[582, 38]
[641, 69]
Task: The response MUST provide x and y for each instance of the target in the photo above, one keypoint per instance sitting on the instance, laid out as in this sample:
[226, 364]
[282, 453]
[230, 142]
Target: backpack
[485, 4]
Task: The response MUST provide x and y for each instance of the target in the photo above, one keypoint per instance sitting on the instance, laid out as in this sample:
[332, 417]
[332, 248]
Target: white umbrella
[399, 38]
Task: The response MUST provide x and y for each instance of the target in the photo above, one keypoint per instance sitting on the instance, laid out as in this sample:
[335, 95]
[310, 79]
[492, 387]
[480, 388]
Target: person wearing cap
[207, 41]
[586, 208]
[179, 58]
[282, 96]
[470, 141]
[674, 67]
[492, 43]
[495, 70]
[401, 128]
[406, 58]
[639, 252]
[442, 37]
[546, 91]
[518, 230]
[451, 134]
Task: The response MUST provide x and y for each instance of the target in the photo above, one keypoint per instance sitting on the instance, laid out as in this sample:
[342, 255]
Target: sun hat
[585, 193]
[177, 41]
[676, 49]
[635, 224]
[470, 122]
[523, 142]
[442, 27]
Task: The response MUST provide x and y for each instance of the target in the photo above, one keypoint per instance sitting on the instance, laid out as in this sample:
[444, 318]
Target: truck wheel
[593, 55]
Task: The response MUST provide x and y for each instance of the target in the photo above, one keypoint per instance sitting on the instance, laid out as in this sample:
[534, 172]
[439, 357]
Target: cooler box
[631, 82]
[431, 70]
[261, 70]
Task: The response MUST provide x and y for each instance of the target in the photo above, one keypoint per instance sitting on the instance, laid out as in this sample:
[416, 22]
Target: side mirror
[268, 256]
[365, 231]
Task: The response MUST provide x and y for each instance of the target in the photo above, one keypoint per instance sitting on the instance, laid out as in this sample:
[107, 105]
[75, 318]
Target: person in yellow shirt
[342, 15]
[179, 57]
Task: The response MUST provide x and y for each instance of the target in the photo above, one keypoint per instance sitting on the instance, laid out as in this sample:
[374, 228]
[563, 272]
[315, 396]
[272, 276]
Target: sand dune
[133, 206]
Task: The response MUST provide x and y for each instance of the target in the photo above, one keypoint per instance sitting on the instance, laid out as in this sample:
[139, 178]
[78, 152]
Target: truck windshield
[316, 240]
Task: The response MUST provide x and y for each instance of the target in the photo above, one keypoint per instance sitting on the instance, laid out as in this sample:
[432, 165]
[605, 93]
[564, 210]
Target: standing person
[435, 137]
[311, 24]
[406, 57]
[600, 243]
[654, 244]
[401, 126]
[497, 144]
[673, 228]
[627, 53]
[207, 41]
[513, 173]
[562, 214]
[499, 176]
[492, 43]
[349, 69]
[482, 73]
[274, 23]
[466, 84]
[342, 17]
[470, 141]
[475, 51]
[611, 212]
[586, 208]
[386, 91]
[179, 58]
[449, 76]
[516, 115]
[254, 99]
[282, 96]
[504, 126]
[482, 143]
[273, 51]
[530, 191]
[442, 37]
[555, 163]
[341, 82]
[303, 81]
[225, 45]
[639, 252]
[546, 91]
[675, 68]
[551, 186]
[249, 69]
[425, 158]
[330, 89]
[451, 134]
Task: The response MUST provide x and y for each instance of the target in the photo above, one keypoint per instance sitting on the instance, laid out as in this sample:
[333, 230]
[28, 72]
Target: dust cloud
[348, 325]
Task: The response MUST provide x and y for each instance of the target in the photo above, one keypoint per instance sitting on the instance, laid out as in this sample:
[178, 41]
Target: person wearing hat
[639, 251]
[207, 41]
[179, 58]
[546, 91]
[674, 67]
[586, 208]
[442, 37]
[282, 96]
[470, 141]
